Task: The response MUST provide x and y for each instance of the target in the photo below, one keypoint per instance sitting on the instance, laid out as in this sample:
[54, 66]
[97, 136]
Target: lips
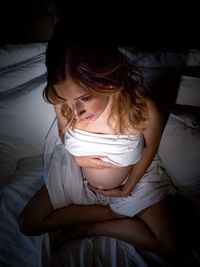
[88, 117]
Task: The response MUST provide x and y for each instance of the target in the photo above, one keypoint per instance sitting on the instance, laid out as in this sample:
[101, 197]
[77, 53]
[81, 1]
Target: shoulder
[155, 117]
[152, 110]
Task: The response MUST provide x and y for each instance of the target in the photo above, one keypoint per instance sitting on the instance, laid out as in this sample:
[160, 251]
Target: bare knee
[159, 220]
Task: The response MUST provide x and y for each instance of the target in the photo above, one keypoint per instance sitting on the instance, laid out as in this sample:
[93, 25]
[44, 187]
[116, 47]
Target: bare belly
[106, 178]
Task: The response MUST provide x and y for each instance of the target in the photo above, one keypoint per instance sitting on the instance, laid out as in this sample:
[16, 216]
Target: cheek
[98, 105]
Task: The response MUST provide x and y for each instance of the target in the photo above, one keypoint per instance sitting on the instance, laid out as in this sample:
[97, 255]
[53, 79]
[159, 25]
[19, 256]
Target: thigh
[160, 219]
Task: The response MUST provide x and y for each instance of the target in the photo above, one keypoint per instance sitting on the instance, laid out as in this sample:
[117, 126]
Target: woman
[105, 176]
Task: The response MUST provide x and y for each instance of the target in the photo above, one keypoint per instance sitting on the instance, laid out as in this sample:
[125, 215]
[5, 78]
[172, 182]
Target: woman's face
[84, 106]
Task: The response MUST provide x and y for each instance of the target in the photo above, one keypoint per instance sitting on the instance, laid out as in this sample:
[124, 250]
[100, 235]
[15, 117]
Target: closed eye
[86, 98]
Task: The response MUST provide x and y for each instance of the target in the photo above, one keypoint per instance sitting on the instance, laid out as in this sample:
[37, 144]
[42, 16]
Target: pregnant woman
[104, 177]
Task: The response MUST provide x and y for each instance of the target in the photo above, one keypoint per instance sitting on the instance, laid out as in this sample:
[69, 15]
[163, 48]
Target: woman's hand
[94, 162]
[121, 191]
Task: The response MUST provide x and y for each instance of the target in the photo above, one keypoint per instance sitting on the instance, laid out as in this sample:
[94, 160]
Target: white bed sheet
[15, 248]
[18, 250]
[21, 169]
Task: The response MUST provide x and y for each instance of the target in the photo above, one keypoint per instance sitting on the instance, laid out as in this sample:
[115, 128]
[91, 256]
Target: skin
[151, 229]
[84, 106]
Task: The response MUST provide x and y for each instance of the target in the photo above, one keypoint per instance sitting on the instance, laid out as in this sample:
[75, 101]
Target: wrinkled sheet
[18, 250]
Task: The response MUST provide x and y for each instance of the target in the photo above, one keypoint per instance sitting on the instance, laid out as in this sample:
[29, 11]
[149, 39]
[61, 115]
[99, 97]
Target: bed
[173, 75]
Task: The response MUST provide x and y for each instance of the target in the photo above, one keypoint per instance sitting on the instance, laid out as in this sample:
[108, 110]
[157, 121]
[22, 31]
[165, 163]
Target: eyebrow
[74, 98]
[66, 98]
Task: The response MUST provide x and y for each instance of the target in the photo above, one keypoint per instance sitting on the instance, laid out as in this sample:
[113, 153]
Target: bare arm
[153, 128]
[39, 216]
[93, 161]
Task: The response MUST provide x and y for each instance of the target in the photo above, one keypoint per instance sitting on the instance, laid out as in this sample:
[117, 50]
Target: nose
[79, 110]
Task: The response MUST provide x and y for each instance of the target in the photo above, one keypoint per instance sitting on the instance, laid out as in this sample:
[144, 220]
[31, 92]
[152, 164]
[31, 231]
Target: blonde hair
[102, 70]
[129, 110]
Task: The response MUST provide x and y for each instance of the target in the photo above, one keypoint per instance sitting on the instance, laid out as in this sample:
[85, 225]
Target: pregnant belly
[106, 178]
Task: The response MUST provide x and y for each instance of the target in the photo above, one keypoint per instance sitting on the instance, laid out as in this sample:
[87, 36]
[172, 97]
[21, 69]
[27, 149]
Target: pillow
[162, 70]
[20, 63]
[25, 119]
[12, 54]
[189, 91]
[23, 72]
[24, 116]
[180, 152]
[193, 57]
[161, 58]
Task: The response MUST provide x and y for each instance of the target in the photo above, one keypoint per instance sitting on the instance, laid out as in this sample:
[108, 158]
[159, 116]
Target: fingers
[105, 164]
[116, 192]
[95, 161]
[106, 193]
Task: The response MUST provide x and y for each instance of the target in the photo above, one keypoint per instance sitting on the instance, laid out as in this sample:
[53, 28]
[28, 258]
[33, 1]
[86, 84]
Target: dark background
[140, 24]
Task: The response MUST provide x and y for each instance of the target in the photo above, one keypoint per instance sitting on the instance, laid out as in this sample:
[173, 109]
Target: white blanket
[25, 119]
[66, 184]
[17, 250]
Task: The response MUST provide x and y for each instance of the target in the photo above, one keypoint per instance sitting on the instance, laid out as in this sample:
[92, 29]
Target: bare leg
[39, 216]
[151, 230]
